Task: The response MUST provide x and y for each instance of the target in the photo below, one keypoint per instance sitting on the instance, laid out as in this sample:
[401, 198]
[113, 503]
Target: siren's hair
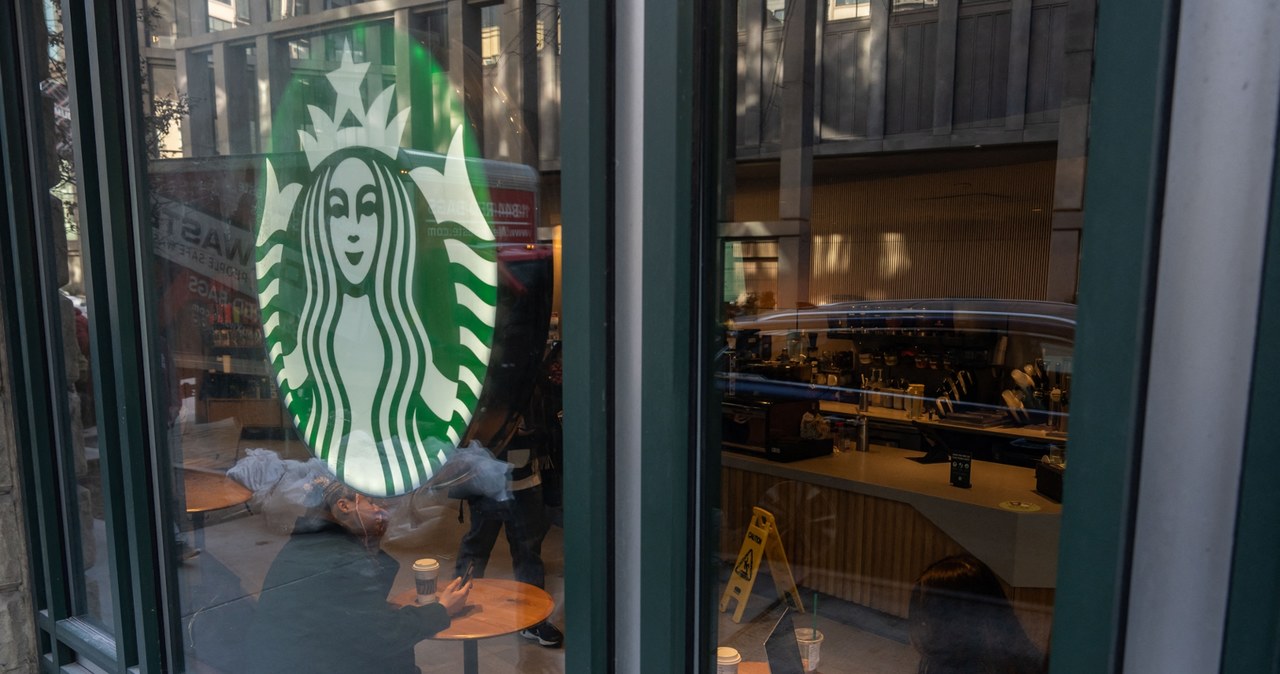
[398, 409]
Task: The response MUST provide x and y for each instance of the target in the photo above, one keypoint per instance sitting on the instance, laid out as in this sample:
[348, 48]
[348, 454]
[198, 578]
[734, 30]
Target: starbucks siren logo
[379, 346]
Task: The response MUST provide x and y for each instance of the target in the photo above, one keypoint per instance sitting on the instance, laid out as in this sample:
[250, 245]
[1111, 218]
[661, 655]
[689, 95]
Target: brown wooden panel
[878, 548]
[975, 233]
[250, 412]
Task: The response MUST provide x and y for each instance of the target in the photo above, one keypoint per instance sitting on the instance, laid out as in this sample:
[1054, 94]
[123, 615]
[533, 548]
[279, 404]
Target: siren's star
[347, 81]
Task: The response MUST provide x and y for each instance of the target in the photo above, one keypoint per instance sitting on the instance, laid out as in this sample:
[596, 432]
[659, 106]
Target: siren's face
[353, 208]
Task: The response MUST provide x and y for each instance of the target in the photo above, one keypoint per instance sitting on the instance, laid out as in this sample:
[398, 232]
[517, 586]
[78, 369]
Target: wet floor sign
[761, 542]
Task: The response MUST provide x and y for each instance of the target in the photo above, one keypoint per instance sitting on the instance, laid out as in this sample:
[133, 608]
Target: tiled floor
[237, 551]
[217, 588]
[855, 640]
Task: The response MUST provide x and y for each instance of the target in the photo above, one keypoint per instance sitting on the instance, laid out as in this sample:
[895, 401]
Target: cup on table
[425, 573]
[727, 660]
[810, 642]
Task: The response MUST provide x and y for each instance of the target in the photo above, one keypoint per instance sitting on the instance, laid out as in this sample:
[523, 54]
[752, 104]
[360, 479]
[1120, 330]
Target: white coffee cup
[727, 660]
[810, 642]
[425, 572]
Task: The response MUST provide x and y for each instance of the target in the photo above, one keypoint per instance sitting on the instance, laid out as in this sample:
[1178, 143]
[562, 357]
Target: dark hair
[334, 491]
[961, 621]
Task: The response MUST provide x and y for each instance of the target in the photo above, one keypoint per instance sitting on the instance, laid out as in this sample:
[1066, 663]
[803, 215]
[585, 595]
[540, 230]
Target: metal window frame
[587, 185]
[98, 47]
[27, 346]
[1128, 141]
[107, 136]
[1129, 124]
[1252, 639]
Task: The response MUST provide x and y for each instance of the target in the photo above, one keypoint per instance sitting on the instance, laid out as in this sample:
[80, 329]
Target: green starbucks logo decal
[377, 279]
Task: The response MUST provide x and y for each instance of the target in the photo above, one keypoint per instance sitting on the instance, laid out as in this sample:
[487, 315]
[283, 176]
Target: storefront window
[355, 281]
[78, 454]
[897, 299]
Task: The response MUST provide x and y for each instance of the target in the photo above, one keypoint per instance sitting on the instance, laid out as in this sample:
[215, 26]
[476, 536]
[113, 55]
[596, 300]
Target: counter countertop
[1020, 544]
[1041, 433]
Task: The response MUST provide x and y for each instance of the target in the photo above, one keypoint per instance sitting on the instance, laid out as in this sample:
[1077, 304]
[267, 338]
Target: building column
[272, 69]
[1019, 54]
[231, 84]
[944, 69]
[752, 12]
[549, 85]
[878, 68]
[1073, 138]
[195, 81]
[795, 189]
[465, 73]
[517, 78]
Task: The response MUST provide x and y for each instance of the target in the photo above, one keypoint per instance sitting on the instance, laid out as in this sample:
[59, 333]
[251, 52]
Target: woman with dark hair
[961, 622]
[323, 605]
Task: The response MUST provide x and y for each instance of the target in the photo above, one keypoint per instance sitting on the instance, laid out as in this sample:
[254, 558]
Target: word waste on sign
[761, 542]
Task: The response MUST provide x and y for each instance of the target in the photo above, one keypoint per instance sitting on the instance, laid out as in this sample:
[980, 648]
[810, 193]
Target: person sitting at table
[961, 622]
[323, 606]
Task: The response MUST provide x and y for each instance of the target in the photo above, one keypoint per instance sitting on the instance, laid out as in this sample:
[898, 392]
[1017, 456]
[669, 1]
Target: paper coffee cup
[810, 642]
[425, 572]
[727, 660]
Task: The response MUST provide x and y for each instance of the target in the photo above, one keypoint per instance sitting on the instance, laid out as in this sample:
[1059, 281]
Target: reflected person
[323, 606]
[524, 519]
[961, 622]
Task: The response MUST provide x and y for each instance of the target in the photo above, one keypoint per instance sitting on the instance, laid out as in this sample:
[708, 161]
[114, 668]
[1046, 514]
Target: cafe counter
[862, 525]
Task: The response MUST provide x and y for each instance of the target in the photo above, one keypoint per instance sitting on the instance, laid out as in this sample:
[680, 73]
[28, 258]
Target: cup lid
[726, 655]
[426, 564]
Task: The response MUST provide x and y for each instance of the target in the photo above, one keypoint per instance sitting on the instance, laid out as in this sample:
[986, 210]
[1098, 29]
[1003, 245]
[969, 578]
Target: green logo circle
[377, 278]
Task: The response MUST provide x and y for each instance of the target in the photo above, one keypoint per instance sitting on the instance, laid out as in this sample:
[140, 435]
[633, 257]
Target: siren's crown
[372, 129]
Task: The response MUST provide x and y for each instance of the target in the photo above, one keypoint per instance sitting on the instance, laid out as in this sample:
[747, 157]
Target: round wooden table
[494, 608]
[207, 491]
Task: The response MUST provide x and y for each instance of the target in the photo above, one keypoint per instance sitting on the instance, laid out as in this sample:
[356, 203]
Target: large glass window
[899, 252]
[353, 217]
[78, 457]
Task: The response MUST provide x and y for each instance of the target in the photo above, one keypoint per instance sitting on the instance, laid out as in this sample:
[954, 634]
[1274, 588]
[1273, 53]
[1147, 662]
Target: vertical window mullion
[29, 344]
[104, 51]
[96, 227]
[588, 317]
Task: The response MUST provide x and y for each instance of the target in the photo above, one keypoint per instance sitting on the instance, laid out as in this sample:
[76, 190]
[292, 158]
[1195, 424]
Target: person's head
[355, 512]
[959, 613]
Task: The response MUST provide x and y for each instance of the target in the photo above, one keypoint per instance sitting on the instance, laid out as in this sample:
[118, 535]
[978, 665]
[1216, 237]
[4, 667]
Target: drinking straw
[814, 633]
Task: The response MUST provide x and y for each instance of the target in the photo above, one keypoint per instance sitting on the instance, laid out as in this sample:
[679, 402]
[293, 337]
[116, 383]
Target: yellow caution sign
[761, 542]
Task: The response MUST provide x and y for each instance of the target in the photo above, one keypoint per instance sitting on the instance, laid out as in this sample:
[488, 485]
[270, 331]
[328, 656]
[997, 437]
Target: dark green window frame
[1252, 639]
[101, 39]
[1128, 135]
[1129, 123]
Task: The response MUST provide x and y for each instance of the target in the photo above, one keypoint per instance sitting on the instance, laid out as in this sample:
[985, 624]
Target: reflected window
[848, 9]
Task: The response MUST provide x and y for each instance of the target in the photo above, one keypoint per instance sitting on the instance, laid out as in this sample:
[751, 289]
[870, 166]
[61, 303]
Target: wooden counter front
[861, 526]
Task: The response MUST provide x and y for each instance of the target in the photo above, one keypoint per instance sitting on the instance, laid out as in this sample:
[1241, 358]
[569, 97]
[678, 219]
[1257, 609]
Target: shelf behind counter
[862, 525]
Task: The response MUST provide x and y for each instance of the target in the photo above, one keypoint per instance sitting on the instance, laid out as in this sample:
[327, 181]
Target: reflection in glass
[73, 310]
[356, 280]
[897, 300]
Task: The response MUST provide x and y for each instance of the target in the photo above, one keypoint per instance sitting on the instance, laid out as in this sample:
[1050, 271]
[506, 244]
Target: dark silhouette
[961, 622]
[323, 606]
